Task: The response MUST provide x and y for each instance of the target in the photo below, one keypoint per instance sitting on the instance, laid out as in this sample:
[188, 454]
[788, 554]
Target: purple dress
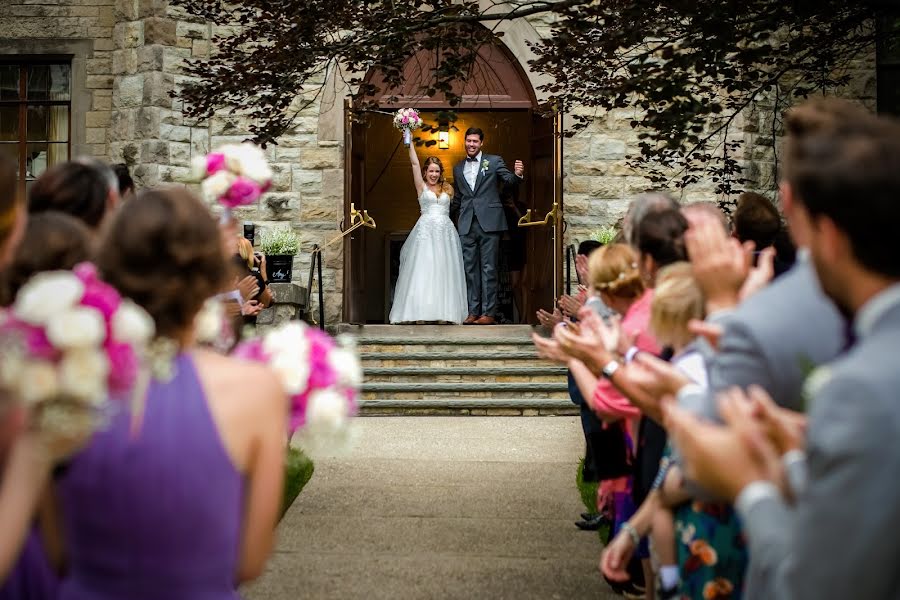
[31, 578]
[154, 513]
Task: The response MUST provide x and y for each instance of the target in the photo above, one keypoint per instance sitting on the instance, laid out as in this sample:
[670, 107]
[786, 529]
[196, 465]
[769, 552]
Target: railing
[357, 219]
[570, 259]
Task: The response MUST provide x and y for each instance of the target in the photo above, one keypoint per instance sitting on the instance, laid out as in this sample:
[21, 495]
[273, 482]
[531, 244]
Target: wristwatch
[610, 368]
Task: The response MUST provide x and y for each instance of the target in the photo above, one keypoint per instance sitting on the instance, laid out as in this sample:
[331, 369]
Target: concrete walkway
[441, 507]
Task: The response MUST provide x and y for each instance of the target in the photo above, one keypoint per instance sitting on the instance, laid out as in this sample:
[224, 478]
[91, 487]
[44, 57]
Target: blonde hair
[676, 300]
[613, 269]
[245, 249]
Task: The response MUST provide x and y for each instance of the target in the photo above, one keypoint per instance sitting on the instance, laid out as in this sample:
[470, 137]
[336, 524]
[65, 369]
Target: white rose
[198, 168]
[82, 375]
[217, 185]
[326, 410]
[46, 295]
[132, 325]
[12, 363]
[287, 338]
[38, 382]
[258, 171]
[79, 327]
[347, 366]
[292, 372]
[208, 322]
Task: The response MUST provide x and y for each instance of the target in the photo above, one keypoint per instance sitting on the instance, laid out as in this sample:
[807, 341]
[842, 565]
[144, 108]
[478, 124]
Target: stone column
[290, 302]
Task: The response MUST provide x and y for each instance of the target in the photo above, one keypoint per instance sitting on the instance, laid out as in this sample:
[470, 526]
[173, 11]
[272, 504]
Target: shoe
[592, 524]
[470, 320]
[588, 516]
[485, 320]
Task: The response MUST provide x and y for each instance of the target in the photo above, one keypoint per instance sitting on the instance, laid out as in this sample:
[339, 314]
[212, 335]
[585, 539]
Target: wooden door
[354, 194]
[544, 248]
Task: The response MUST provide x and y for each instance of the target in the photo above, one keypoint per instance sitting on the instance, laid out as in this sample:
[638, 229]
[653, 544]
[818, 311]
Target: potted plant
[280, 245]
[605, 235]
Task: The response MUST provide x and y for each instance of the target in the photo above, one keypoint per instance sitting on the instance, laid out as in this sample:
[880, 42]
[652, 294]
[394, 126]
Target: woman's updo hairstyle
[660, 235]
[613, 269]
[164, 253]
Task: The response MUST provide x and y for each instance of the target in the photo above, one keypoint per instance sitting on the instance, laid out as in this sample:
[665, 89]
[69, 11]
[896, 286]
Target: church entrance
[379, 181]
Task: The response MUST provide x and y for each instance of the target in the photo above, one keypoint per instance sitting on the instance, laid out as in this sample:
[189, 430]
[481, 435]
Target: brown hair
[613, 269]
[434, 160]
[756, 219]
[843, 163]
[676, 300]
[52, 241]
[75, 188]
[164, 253]
[10, 203]
[245, 251]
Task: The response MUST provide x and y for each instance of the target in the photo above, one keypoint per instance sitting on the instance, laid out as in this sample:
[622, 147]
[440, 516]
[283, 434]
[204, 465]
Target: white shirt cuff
[753, 494]
[688, 391]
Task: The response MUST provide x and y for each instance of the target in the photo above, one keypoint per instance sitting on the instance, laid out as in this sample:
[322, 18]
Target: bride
[432, 282]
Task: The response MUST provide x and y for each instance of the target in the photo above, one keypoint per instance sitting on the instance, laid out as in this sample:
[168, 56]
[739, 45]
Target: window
[888, 74]
[35, 107]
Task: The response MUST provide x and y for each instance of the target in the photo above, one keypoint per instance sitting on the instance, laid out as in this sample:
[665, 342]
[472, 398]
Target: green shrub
[298, 471]
[605, 235]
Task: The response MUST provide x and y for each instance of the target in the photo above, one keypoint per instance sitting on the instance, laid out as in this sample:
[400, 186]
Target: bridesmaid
[177, 498]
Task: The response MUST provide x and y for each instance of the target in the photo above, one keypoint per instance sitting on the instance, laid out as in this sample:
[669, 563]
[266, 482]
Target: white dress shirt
[470, 170]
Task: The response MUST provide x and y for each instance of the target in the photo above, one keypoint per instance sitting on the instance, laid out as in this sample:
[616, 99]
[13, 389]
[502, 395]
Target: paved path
[441, 507]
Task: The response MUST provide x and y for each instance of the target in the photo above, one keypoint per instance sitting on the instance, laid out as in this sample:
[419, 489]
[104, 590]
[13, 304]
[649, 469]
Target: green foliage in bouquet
[298, 471]
[279, 241]
[605, 235]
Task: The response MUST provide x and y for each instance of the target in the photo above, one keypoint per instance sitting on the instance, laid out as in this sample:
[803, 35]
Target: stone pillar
[290, 302]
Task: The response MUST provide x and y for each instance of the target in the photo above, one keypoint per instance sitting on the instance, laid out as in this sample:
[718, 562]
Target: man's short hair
[756, 220]
[475, 131]
[587, 246]
[843, 162]
[124, 178]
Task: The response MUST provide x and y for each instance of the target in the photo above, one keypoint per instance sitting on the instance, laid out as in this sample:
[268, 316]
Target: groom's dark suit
[481, 223]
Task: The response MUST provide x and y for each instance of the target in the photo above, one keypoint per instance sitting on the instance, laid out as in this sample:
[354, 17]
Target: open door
[354, 196]
[545, 221]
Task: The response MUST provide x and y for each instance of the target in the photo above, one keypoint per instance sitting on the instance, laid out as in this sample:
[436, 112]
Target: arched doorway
[499, 99]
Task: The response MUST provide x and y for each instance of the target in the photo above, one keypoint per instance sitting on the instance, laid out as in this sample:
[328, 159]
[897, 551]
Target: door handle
[357, 219]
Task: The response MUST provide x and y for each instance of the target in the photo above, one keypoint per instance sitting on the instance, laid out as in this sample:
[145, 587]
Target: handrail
[570, 257]
[357, 219]
[551, 217]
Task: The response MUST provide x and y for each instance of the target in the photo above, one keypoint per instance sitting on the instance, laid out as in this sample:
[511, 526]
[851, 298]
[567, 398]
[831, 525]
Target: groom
[481, 223]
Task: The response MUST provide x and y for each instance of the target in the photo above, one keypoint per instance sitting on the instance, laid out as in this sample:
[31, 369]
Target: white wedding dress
[432, 282]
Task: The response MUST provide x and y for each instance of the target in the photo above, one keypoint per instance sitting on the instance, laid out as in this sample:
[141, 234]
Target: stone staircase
[447, 369]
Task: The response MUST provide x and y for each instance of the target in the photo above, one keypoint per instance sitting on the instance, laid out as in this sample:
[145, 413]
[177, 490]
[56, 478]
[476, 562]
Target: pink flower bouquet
[70, 342]
[407, 120]
[234, 175]
[321, 377]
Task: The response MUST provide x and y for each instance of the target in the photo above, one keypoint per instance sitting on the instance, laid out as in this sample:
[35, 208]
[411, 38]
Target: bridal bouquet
[69, 344]
[234, 175]
[406, 120]
[321, 377]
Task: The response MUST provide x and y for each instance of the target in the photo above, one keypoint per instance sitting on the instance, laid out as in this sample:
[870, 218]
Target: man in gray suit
[835, 154]
[481, 222]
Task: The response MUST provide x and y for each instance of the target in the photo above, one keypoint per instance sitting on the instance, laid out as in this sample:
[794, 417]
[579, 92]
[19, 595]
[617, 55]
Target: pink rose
[298, 410]
[33, 338]
[405, 120]
[214, 162]
[252, 351]
[242, 192]
[123, 367]
[103, 297]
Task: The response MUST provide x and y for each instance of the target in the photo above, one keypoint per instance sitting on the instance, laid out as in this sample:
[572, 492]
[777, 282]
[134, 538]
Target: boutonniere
[485, 165]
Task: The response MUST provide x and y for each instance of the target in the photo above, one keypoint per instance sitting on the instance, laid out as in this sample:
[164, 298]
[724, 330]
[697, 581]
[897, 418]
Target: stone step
[448, 355]
[550, 405]
[447, 346]
[538, 374]
[473, 389]
[363, 333]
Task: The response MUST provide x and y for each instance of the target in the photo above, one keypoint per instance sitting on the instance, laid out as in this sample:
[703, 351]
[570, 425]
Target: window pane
[10, 152]
[9, 123]
[48, 82]
[9, 82]
[48, 123]
[889, 91]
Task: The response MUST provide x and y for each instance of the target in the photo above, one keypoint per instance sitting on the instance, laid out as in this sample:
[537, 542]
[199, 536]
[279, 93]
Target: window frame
[25, 62]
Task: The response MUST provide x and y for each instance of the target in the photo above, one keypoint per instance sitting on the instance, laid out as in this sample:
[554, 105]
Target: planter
[280, 267]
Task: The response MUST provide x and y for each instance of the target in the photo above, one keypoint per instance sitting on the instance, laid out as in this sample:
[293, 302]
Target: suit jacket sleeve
[454, 202]
[505, 175]
[850, 473]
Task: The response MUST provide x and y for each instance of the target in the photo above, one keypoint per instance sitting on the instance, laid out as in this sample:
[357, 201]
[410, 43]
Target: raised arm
[416, 169]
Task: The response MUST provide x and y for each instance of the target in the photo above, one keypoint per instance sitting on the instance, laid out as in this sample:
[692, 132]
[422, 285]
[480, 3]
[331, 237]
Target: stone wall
[128, 59]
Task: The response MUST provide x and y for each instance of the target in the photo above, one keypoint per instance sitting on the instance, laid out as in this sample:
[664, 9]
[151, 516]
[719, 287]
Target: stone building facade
[127, 57]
